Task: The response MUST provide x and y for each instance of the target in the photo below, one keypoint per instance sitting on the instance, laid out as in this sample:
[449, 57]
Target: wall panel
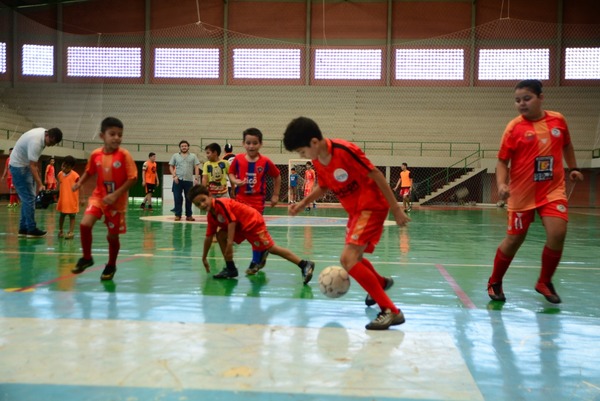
[416, 20]
[281, 20]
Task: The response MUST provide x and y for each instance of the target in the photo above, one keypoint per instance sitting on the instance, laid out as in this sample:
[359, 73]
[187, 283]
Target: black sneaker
[150, 207]
[108, 273]
[82, 264]
[256, 267]
[227, 273]
[22, 233]
[385, 319]
[495, 292]
[307, 271]
[143, 206]
[389, 282]
[548, 291]
[36, 233]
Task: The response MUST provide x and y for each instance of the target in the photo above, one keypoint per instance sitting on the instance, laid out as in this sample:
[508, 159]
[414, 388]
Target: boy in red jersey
[116, 173]
[13, 201]
[50, 176]
[233, 222]
[534, 143]
[248, 173]
[364, 192]
[149, 179]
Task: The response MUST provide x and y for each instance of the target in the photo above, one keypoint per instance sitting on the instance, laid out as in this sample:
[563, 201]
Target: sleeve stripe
[335, 145]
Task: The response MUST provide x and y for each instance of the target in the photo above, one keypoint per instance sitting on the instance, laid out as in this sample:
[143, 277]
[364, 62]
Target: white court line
[254, 358]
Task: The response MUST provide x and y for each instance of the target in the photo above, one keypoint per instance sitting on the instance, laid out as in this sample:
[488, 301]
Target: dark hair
[151, 154]
[196, 190]
[300, 132]
[55, 135]
[110, 122]
[405, 165]
[309, 164]
[214, 147]
[228, 148]
[533, 85]
[183, 141]
[253, 132]
[11, 149]
[69, 161]
[293, 168]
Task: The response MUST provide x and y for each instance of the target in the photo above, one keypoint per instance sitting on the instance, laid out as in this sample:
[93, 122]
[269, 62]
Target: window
[348, 64]
[2, 57]
[582, 63]
[514, 64]
[38, 60]
[430, 64]
[266, 63]
[186, 63]
[104, 62]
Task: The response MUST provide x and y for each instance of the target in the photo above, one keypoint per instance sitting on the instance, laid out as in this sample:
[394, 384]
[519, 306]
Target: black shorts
[150, 188]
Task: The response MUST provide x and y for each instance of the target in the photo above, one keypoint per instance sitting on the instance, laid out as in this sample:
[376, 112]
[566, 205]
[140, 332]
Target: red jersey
[346, 176]
[113, 170]
[6, 166]
[225, 210]
[255, 173]
[50, 175]
[535, 151]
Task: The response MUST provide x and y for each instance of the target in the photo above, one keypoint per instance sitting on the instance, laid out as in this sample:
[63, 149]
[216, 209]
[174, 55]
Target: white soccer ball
[334, 281]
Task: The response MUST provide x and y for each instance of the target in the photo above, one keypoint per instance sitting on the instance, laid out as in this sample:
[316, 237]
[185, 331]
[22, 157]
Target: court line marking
[462, 295]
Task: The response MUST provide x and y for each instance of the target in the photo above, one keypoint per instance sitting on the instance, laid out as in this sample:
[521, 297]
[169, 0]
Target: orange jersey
[346, 176]
[149, 171]
[535, 151]
[113, 170]
[405, 179]
[50, 176]
[68, 200]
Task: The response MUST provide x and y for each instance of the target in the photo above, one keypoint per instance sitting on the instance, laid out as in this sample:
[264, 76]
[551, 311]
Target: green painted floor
[165, 330]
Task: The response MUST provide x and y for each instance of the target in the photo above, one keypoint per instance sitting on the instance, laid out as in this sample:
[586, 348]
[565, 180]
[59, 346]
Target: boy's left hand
[274, 200]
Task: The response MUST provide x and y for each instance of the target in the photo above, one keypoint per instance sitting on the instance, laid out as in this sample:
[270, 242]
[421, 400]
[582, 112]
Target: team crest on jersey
[561, 208]
[529, 135]
[256, 243]
[260, 169]
[220, 218]
[340, 175]
[555, 132]
[117, 164]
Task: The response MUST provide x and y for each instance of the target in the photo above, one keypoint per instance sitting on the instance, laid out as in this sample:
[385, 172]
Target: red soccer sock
[365, 277]
[86, 241]
[550, 261]
[501, 264]
[370, 266]
[114, 245]
[13, 199]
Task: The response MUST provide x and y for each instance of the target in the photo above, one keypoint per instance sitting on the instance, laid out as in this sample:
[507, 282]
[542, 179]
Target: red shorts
[115, 221]
[366, 228]
[404, 191]
[519, 222]
[259, 238]
[51, 186]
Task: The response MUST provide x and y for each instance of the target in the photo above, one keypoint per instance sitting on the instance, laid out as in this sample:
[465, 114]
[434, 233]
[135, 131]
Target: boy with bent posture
[342, 166]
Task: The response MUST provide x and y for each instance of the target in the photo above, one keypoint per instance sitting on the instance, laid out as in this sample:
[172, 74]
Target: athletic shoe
[227, 273]
[82, 264]
[190, 218]
[69, 235]
[307, 209]
[61, 234]
[256, 267]
[22, 233]
[150, 207]
[307, 271]
[389, 282]
[385, 319]
[495, 292]
[143, 206]
[108, 273]
[36, 233]
[548, 291]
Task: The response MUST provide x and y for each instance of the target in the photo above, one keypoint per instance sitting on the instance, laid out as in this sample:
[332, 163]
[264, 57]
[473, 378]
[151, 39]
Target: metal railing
[450, 173]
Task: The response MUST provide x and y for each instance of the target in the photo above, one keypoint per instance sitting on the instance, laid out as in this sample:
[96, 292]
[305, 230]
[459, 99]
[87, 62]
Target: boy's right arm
[207, 244]
[316, 193]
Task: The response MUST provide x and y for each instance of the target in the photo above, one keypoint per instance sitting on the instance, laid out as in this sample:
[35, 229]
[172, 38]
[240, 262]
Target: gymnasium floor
[165, 330]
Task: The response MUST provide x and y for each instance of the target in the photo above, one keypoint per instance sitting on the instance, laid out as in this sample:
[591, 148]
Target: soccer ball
[334, 281]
